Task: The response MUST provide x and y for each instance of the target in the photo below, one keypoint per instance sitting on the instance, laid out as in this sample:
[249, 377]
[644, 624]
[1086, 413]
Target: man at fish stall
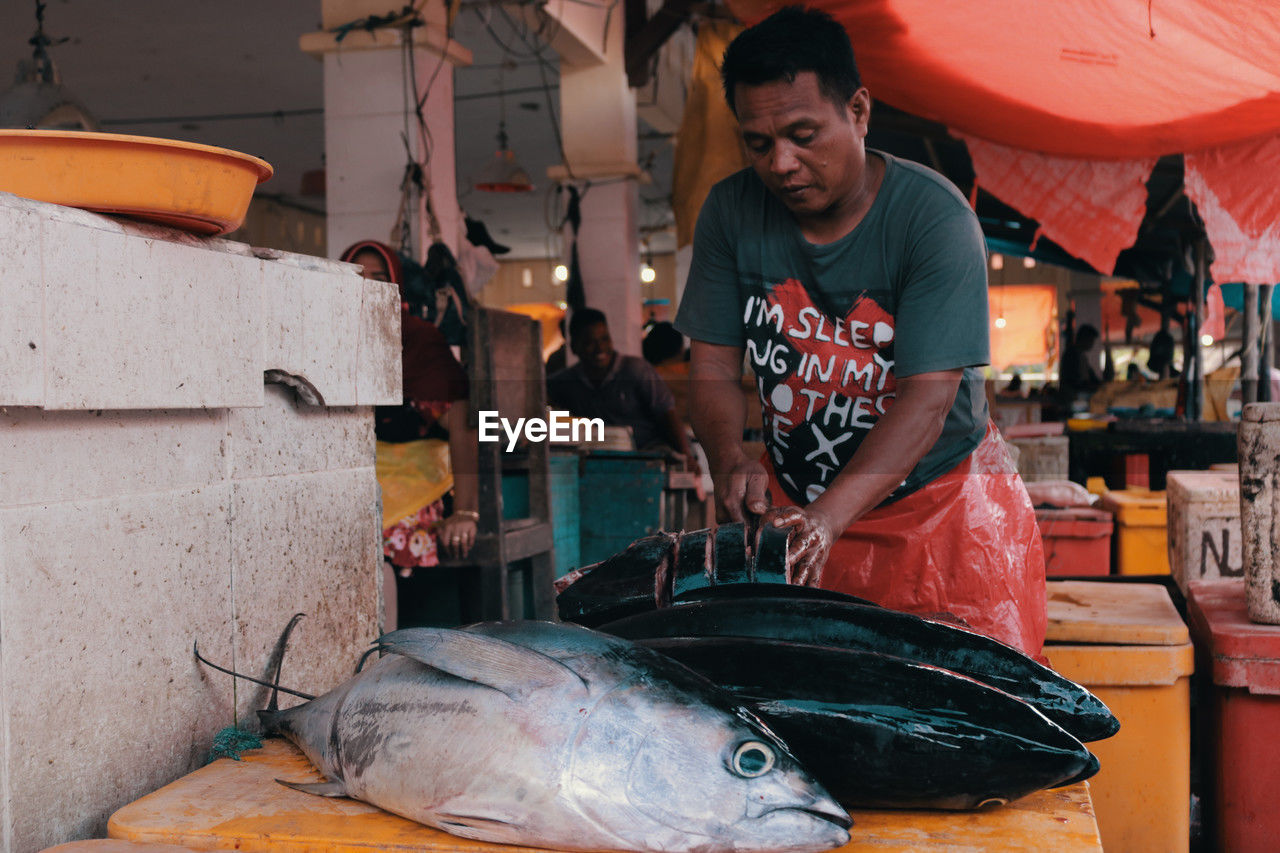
[855, 284]
[621, 390]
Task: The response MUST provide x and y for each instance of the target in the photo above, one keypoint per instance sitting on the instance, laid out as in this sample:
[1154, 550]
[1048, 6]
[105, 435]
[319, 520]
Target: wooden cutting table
[237, 805]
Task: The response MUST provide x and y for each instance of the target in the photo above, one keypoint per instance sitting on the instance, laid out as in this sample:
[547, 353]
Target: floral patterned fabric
[411, 542]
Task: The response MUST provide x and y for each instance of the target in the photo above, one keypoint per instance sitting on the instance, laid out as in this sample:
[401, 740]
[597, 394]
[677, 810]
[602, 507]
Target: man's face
[594, 347]
[808, 150]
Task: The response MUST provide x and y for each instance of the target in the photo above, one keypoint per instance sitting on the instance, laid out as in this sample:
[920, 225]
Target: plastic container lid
[1137, 507]
[1074, 522]
[1116, 634]
[1086, 424]
[1035, 430]
[1245, 653]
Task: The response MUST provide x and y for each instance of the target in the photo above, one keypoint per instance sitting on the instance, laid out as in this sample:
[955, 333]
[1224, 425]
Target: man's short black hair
[1086, 335]
[789, 41]
[583, 319]
[661, 342]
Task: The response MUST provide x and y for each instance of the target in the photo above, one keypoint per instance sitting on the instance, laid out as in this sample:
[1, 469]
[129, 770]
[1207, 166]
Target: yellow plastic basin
[198, 188]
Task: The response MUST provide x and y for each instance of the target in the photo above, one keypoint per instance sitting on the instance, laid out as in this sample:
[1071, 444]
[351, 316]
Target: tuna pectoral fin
[320, 789]
[506, 667]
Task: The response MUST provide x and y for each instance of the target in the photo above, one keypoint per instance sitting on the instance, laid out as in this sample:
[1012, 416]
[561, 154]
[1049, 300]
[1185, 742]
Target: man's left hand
[811, 538]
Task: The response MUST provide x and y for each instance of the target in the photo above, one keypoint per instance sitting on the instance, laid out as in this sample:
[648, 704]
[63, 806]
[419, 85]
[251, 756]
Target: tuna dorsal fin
[320, 789]
[506, 667]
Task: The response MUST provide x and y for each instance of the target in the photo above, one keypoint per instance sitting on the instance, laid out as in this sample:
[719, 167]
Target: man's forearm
[893, 447]
[717, 409]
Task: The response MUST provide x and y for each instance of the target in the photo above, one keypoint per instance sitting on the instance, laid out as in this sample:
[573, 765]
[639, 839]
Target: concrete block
[103, 701]
[58, 213]
[47, 456]
[305, 543]
[135, 323]
[312, 329]
[1204, 526]
[288, 437]
[378, 371]
[21, 318]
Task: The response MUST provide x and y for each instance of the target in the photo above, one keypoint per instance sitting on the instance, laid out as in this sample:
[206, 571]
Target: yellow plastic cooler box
[1126, 643]
[1141, 543]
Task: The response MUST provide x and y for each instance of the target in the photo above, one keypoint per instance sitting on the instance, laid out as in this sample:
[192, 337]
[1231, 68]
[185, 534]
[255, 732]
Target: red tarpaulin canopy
[1049, 87]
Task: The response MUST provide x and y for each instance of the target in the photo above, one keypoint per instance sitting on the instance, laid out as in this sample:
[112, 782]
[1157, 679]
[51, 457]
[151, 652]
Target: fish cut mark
[473, 820]
[320, 789]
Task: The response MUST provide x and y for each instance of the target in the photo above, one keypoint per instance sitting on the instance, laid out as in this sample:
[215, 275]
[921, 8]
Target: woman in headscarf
[418, 529]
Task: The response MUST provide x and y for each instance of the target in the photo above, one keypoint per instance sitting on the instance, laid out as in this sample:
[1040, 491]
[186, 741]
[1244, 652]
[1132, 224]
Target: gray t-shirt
[828, 328]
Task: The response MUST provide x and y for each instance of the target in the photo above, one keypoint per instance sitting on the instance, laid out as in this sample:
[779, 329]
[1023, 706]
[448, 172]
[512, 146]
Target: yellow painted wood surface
[115, 845]
[238, 805]
[1120, 614]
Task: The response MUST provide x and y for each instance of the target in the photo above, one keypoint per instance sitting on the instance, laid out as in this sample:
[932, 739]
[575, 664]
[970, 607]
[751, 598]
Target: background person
[413, 478]
[621, 390]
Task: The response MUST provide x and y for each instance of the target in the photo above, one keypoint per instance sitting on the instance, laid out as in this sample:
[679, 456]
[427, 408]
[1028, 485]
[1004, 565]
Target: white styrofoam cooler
[1204, 526]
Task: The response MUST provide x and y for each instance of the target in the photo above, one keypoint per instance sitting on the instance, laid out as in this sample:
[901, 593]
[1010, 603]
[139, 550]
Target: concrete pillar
[368, 109]
[598, 126]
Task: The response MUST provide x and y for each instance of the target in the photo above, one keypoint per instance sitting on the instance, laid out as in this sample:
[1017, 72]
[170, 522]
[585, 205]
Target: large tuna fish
[882, 732]
[549, 735]
[877, 629]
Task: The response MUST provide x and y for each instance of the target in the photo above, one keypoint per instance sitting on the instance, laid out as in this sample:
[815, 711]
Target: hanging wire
[417, 172]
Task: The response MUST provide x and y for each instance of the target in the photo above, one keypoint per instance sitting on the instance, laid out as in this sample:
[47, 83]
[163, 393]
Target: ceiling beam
[645, 37]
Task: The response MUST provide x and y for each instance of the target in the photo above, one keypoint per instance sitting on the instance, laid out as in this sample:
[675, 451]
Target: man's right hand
[742, 491]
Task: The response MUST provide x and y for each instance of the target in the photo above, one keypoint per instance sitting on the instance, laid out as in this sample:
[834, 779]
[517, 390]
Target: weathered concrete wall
[153, 492]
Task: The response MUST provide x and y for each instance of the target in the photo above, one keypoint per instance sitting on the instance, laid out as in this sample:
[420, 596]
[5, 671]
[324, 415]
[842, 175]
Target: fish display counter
[238, 805]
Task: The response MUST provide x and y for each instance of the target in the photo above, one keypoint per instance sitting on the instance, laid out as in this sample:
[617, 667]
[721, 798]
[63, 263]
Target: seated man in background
[621, 390]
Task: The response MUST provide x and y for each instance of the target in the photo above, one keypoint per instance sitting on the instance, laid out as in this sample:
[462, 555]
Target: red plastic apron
[965, 544]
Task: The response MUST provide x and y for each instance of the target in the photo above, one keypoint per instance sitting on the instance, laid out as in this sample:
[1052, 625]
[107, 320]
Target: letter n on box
[1204, 526]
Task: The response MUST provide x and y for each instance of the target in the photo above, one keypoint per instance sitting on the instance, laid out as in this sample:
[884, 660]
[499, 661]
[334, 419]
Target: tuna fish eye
[753, 758]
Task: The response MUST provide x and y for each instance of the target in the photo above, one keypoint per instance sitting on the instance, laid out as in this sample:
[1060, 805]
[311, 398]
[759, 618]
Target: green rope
[230, 742]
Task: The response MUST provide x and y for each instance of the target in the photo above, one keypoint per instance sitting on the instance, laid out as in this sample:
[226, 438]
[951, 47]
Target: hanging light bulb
[503, 174]
[1206, 340]
[37, 99]
[561, 273]
[647, 273]
[1029, 263]
[1001, 322]
[997, 261]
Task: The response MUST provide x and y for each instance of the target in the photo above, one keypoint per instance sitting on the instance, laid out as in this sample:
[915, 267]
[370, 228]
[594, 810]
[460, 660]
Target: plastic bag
[966, 544]
[1059, 493]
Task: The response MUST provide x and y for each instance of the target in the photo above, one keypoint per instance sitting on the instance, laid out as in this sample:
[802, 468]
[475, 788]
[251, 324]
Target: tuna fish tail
[273, 704]
[267, 717]
[272, 723]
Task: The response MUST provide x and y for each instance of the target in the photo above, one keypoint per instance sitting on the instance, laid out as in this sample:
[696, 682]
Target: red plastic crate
[1238, 746]
[1077, 541]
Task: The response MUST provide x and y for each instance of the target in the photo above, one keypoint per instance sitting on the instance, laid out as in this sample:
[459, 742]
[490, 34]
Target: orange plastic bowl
[198, 188]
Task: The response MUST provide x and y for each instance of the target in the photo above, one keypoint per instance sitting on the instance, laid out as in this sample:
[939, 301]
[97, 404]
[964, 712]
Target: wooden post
[1194, 367]
[1267, 359]
[1249, 353]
